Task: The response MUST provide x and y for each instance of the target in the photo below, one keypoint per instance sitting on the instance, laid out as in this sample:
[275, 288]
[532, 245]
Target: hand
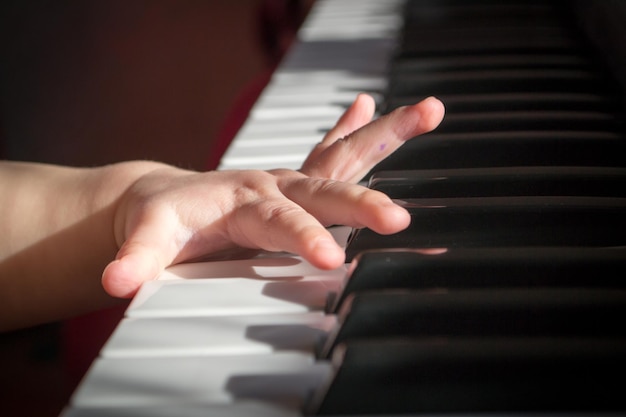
[170, 215]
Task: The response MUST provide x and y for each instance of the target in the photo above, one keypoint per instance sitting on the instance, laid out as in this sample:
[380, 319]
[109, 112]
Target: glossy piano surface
[503, 298]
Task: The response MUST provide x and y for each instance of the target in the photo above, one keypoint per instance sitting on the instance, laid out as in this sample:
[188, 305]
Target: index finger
[351, 157]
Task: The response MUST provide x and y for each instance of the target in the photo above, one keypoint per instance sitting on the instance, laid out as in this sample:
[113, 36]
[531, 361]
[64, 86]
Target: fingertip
[437, 105]
[113, 280]
[390, 218]
[366, 100]
[433, 112]
[123, 277]
[399, 218]
[360, 113]
[326, 254]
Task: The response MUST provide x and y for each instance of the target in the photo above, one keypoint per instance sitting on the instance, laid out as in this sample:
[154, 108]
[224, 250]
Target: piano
[505, 296]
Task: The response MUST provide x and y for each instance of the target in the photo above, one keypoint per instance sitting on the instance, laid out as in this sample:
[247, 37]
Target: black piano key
[432, 40]
[510, 102]
[508, 148]
[529, 120]
[450, 12]
[475, 29]
[502, 221]
[433, 27]
[484, 20]
[554, 312]
[509, 267]
[403, 64]
[444, 43]
[500, 81]
[502, 181]
[471, 376]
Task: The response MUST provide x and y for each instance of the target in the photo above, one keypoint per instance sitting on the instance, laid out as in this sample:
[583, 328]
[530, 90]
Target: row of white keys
[237, 338]
[216, 345]
[217, 337]
[343, 49]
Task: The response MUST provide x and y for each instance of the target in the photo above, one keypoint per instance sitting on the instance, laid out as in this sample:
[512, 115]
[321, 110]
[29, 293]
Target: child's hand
[170, 215]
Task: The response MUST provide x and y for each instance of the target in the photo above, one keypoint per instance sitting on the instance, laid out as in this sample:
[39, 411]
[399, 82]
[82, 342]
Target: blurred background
[87, 83]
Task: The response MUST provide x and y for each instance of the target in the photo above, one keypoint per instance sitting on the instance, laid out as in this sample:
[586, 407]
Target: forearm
[56, 225]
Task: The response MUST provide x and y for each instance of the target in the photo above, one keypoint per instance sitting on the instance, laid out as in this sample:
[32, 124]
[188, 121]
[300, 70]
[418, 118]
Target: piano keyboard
[503, 298]
[343, 48]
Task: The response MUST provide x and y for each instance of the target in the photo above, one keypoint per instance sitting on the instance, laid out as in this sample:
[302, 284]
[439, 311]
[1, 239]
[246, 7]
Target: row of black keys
[506, 292]
[510, 300]
[477, 330]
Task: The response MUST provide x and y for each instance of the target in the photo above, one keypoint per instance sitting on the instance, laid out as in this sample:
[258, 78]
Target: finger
[142, 257]
[279, 224]
[351, 158]
[357, 115]
[352, 205]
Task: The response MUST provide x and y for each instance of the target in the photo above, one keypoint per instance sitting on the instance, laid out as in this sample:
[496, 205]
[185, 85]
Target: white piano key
[354, 7]
[329, 106]
[373, 29]
[248, 132]
[283, 378]
[224, 335]
[230, 296]
[334, 16]
[264, 143]
[259, 140]
[284, 111]
[290, 161]
[363, 57]
[271, 410]
[236, 409]
[283, 103]
[292, 125]
[265, 266]
[271, 155]
[304, 96]
[329, 79]
[261, 285]
[288, 152]
[250, 147]
[352, 20]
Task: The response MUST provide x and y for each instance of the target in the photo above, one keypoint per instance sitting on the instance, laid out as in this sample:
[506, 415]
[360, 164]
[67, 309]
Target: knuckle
[278, 213]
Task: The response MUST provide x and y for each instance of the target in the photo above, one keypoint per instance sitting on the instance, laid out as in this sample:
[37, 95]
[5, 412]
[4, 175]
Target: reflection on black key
[551, 312]
[507, 267]
[441, 63]
[564, 147]
[507, 102]
[470, 375]
[503, 221]
[503, 181]
[500, 81]
[528, 120]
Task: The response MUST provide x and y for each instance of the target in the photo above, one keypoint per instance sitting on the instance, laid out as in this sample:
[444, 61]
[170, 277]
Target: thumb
[123, 277]
[142, 257]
